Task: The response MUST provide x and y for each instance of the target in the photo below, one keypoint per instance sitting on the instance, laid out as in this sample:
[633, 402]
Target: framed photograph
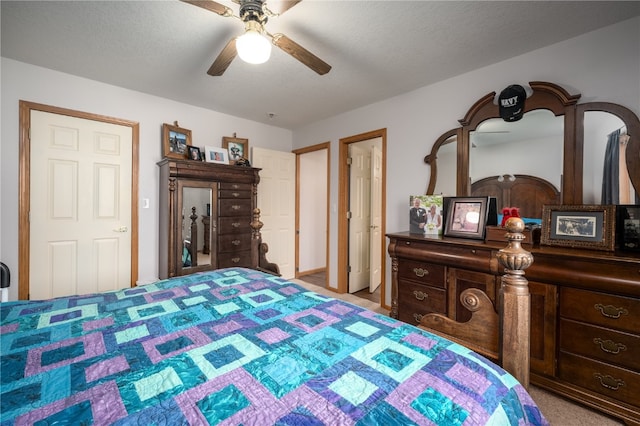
[628, 227]
[214, 154]
[194, 153]
[466, 217]
[582, 226]
[238, 148]
[425, 214]
[175, 141]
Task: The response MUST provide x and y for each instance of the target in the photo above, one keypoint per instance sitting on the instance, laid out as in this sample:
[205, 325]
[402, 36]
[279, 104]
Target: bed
[239, 346]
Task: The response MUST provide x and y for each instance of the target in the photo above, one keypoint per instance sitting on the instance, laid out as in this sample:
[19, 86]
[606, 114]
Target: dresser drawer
[415, 300]
[234, 225]
[234, 194]
[622, 313]
[614, 382]
[425, 273]
[610, 346]
[234, 242]
[227, 260]
[230, 207]
[230, 186]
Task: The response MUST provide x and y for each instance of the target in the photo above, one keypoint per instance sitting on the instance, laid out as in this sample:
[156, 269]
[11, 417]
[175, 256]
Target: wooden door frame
[343, 208]
[299, 152]
[24, 185]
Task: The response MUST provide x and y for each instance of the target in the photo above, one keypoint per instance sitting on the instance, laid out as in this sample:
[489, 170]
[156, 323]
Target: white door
[360, 219]
[80, 198]
[375, 270]
[276, 201]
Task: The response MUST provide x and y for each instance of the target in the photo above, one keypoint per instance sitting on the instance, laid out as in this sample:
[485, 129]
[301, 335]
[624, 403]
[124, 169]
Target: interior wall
[313, 211]
[602, 65]
[21, 81]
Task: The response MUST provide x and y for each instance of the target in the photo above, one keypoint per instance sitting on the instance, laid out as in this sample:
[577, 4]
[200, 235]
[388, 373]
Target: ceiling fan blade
[301, 54]
[211, 6]
[281, 6]
[224, 59]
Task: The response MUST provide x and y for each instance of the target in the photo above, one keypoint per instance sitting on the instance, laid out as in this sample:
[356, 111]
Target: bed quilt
[237, 346]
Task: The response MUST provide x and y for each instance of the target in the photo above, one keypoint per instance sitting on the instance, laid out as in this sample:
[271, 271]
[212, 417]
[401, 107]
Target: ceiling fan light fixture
[252, 46]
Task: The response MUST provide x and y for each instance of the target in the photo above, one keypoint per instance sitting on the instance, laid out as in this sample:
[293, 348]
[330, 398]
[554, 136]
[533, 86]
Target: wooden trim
[24, 185]
[343, 205]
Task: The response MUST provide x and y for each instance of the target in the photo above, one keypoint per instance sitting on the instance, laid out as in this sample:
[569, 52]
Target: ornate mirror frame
[556, 99]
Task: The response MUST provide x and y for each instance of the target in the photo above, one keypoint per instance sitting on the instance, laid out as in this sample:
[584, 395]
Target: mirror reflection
[606, 179]
[196, 237]
[531, 146]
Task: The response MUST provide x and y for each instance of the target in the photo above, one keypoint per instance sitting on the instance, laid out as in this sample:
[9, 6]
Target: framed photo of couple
[425, 214]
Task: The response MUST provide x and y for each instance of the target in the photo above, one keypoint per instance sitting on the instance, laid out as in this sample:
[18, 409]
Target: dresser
[208, 218]
[585, 311]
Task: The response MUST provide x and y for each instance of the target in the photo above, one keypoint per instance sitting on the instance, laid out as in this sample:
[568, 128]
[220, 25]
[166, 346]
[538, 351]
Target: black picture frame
[579, 226]
[466, 217]
[194, 153]
[628, 227]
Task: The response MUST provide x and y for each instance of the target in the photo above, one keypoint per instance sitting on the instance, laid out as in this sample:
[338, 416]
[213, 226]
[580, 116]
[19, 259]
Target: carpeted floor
[559, 411]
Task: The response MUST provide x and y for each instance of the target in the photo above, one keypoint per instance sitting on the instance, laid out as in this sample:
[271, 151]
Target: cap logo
[509, 102]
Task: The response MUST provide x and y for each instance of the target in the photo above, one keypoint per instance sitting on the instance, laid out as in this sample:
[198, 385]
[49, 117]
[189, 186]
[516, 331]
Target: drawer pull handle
[609, 382]
[420, 295]
[236, 207]
[235, 242]
[417, 317]
[235, 224]
[420, 272]
[609, 346]
[610, 311]
[235, 259]
[235, 194]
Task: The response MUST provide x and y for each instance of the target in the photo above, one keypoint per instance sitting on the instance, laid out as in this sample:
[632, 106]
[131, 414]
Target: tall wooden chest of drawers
[228, 194]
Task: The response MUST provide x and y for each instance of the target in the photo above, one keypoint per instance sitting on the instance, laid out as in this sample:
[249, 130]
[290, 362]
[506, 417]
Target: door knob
[121, 229]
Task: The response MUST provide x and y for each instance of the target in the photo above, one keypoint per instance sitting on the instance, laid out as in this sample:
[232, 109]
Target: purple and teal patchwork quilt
[239, 347]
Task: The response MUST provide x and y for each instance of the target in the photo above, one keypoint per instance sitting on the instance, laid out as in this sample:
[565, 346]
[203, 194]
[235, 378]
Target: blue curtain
[611, 171]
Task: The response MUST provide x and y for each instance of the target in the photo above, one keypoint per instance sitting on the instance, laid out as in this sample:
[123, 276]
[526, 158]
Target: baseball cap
[511, 102]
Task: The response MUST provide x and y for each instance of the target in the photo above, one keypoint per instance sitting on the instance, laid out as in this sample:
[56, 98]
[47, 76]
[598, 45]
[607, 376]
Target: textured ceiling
[378, 49]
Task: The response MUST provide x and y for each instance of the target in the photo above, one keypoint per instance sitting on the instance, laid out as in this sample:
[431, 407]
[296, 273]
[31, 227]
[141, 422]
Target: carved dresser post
[515, 304]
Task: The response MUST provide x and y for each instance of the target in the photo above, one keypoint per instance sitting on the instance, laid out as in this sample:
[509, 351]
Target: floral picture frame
[466, 217]
[175, 141]
[237, 147]
[579, 226]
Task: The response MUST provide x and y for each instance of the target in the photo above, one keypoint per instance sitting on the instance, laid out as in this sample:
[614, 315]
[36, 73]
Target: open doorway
[312, 214]
[361, 213]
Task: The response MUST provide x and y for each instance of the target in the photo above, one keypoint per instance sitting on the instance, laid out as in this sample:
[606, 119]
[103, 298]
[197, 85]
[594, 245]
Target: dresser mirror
[557, 140]
[194, 241]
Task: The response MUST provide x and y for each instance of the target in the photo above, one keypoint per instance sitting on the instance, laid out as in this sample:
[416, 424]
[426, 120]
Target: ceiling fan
[254, 14]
